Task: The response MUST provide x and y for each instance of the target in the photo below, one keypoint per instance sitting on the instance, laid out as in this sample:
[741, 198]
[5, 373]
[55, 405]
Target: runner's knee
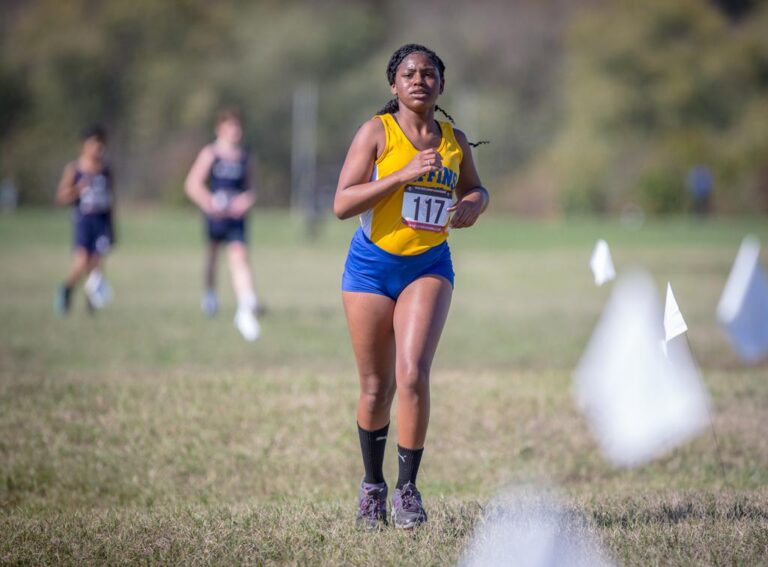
[376, 392]
[238, 253]
[413, 378]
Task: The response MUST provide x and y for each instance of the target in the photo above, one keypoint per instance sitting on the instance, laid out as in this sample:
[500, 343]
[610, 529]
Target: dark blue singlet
[227, 179]
[92, 212]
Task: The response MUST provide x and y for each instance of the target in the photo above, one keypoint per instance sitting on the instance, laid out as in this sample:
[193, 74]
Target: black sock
[67, 295]
[372, 445]
[408, 460]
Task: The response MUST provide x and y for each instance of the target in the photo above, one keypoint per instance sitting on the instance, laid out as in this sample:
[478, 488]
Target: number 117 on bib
[426, 208]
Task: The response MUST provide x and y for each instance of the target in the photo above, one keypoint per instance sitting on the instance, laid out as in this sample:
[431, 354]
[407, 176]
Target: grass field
[150, 434]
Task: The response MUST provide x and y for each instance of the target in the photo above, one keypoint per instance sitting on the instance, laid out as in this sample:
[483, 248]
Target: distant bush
[662, 191]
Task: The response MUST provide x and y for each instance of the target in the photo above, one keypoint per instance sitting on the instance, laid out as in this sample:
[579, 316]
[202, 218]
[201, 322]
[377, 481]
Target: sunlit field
[147, 433]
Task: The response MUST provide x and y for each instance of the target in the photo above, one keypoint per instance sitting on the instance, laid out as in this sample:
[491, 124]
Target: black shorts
[93, 232]
[225, 229]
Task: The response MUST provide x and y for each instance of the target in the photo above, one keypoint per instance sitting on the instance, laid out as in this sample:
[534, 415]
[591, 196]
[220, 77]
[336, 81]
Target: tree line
[590, 105]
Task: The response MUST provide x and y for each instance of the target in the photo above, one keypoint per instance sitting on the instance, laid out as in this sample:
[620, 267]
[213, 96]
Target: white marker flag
[601, 263]
[674, 324]
[639, 402]
[743, 307]
[530, 530]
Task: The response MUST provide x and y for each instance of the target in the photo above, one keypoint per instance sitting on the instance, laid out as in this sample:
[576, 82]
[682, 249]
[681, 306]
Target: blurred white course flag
[601, 263]
[743, 307]
[674, 324]
[527, 530]
[639, 402]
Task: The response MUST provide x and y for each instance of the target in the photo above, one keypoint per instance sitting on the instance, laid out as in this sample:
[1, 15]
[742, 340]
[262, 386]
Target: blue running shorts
[369, 269]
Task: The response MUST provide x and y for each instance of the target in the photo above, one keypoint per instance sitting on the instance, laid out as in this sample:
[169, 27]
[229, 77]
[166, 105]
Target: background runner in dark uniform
[219, 183]
[87, 184]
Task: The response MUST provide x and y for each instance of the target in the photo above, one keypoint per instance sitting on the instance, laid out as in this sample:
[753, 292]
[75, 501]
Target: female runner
[410, 178]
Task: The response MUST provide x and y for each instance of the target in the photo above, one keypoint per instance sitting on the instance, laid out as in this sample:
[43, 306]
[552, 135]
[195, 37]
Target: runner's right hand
[211, 209]
[422, 163]
[83, 184]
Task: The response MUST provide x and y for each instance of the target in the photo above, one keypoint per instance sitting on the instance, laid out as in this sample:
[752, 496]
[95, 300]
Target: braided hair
[392, 105]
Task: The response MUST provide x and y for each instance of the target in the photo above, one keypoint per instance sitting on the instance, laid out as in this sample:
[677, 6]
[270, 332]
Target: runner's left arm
[113, 209]
[471, 197]
[245, 201]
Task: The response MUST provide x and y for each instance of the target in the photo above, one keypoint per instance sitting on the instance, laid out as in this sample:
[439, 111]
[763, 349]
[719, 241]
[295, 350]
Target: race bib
[96, 197]
[224, 169]
[222, 198]
[425, 208]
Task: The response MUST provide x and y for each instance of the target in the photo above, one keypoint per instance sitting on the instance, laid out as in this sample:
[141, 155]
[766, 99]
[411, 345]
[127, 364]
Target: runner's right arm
[356, 192]
[195, 184]
[67, 192]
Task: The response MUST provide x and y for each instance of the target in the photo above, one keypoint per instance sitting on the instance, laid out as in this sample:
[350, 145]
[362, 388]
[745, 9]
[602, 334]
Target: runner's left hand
[239, 206]
[466, 211]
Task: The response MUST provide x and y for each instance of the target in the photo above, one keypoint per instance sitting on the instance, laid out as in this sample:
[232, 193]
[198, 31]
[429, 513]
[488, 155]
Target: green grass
[150, 434]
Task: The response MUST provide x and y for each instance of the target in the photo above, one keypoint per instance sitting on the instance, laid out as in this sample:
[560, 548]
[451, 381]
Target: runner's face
[417, 82]
[94, 148]
[230, 131]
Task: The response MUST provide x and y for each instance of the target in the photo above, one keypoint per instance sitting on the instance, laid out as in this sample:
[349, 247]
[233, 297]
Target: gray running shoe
[407, 509]
[372, 505]
[209, 303]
